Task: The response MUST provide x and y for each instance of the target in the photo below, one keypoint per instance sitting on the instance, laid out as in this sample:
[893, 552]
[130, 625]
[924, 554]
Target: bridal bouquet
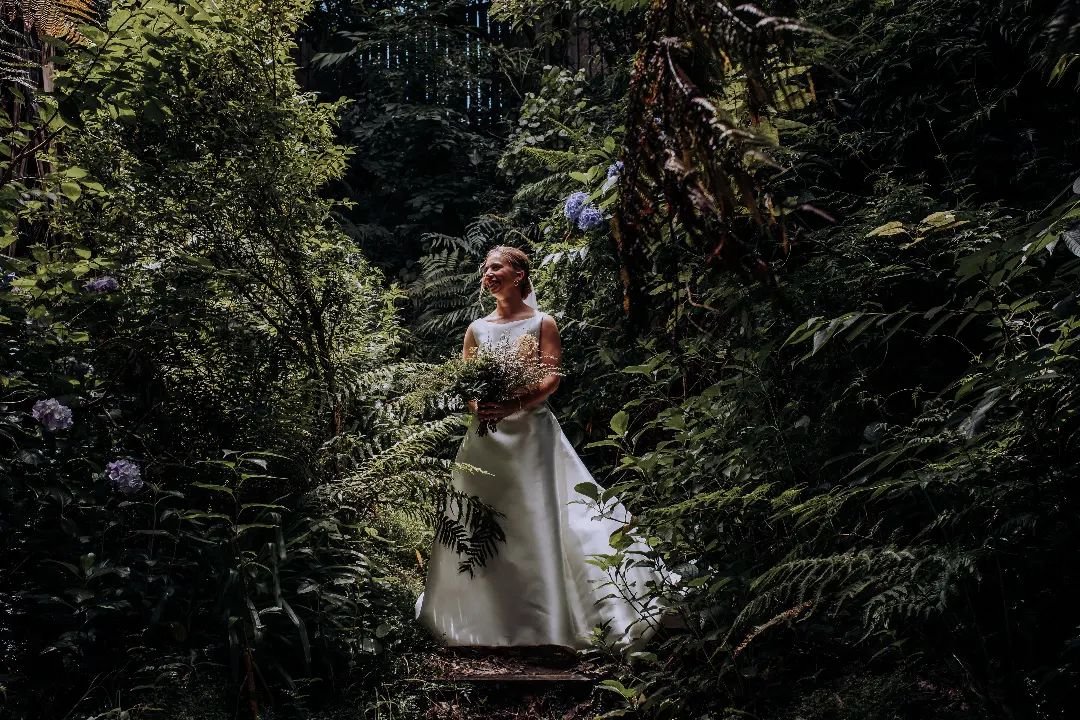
[497, 373]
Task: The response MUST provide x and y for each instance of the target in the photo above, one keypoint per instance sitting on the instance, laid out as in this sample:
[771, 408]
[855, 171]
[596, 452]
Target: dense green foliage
[426, 145]
[216, 352]
[821, 346]
[862, 467]
[859, 460]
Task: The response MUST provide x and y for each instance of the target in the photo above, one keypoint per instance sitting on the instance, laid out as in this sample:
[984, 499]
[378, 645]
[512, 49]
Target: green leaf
[198, 515]
[1072, 241]
[619, 423]
[170, 13]
[890, 228]
[240, 529]
[71, 190]
[215, 488]
[618, 687]
[589, 490]
[938, 219]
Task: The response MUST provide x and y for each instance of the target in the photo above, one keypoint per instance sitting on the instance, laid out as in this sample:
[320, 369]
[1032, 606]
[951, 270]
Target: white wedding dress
[540, 588]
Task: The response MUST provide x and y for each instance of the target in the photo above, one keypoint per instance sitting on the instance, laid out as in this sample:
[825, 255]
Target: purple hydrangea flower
[573, 205]
[124, 476]
[590, 218]
[52, 414]
[105, 283]
[614, 168]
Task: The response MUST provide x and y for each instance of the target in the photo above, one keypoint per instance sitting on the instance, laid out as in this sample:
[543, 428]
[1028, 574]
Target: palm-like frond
[58, 19]
[447, 292]
[1063, 32]
[687, 158]
[1062, 38]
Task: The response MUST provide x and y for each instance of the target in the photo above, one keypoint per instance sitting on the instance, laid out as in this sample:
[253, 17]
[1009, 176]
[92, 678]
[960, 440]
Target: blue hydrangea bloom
[52, 414]
[573, 205]
[615, 168]
[124, 476]
[5, 281]
[590, 218]
[105, 283]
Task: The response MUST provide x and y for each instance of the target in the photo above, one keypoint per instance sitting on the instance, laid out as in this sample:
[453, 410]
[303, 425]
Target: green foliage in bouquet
[496, 373]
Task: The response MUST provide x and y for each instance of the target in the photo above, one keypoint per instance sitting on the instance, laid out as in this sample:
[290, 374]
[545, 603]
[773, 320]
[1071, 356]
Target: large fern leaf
[58, 19]
[447, 292]
[686, 156]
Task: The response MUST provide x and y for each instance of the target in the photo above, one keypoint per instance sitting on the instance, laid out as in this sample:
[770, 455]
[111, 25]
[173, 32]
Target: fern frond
[556, 160]
[401, 468]
[58, 19]
[543, 190]
[685, 155]
[447, 293]
[887, 583]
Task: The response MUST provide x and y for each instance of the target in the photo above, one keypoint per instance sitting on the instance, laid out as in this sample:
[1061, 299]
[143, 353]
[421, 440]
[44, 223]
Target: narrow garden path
[513, 683]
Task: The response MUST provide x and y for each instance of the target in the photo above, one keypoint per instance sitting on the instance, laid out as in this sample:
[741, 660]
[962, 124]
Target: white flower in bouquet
[498, 373]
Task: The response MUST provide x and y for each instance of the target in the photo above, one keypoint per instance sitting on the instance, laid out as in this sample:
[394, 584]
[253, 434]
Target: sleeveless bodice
[487, 332]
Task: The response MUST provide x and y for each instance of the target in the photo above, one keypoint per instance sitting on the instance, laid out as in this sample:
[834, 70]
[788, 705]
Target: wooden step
[514, 671]
[518, 677]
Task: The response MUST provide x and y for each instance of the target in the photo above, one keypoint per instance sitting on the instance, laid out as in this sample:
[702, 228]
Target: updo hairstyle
[518, 260]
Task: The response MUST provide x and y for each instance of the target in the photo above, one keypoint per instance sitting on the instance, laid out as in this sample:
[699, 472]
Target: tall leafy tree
[174, 363]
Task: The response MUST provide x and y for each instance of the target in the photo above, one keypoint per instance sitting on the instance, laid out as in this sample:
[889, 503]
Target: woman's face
[499, 276]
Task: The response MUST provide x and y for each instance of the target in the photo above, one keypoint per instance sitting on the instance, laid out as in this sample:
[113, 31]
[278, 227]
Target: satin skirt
[540, 588]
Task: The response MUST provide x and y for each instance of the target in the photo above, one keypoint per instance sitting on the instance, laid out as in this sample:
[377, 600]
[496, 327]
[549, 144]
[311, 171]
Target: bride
[540, 588]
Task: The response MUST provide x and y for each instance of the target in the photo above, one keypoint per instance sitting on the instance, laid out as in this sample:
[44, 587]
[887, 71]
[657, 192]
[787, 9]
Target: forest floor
[512, 684]
[440, 684]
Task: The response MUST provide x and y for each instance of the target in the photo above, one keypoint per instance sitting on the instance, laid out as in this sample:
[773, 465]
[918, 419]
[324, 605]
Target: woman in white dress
[540, 588]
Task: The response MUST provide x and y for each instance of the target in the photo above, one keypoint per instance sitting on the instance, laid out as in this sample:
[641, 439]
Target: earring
[517, 282]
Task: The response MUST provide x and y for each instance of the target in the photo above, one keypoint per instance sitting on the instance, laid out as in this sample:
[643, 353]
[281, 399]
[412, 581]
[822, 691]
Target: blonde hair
[517, 260]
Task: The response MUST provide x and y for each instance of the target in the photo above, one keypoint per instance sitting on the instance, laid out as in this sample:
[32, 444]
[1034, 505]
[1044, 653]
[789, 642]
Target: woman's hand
[496, 411]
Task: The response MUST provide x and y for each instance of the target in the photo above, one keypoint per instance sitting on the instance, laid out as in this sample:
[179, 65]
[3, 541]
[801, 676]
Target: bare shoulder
[548, 323]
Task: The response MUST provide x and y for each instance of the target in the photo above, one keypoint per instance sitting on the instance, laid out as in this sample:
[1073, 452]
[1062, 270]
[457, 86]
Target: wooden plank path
[513, 684]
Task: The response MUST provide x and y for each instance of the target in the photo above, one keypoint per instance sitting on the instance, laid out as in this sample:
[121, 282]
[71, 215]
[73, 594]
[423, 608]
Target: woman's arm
[469, 348]
[467, 351]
